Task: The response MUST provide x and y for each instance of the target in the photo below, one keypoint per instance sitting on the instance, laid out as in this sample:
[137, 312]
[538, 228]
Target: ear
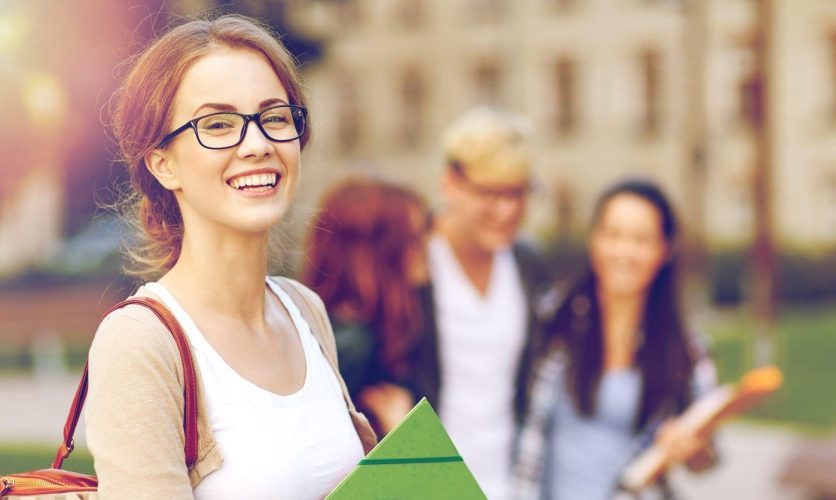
[447, 183]
[159, 163]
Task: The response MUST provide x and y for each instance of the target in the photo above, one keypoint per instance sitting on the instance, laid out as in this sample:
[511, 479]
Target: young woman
[366, 258]
[211, 122]
[620, 364]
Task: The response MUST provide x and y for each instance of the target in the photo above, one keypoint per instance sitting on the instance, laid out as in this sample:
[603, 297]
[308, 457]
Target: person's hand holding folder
[687, 437]
[681, 444]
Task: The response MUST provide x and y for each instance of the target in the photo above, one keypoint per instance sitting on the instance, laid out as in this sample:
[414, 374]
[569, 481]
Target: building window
[565, 205]
[650, 61]
[487, 80]
[350, 111]
[410, 13]
[484, 11]
[750, 112]
[566, 96]
[562, 6]
[349, 13]
[832, 71]
[749, 88]
[414, 103]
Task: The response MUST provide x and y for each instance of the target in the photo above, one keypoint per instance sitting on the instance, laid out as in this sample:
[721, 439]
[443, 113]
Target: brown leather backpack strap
[189, 389]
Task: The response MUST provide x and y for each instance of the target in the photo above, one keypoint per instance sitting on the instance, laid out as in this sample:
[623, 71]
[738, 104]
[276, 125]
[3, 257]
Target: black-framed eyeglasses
[492, 195]
[227, 129]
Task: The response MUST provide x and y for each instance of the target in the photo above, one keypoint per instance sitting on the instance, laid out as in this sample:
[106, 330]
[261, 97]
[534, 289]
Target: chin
[624, 289]
[262, 222]
[254, 228]
[494, 242]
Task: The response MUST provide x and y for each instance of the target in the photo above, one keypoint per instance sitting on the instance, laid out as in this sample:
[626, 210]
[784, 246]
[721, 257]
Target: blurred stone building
[611, 87]
[663, 88]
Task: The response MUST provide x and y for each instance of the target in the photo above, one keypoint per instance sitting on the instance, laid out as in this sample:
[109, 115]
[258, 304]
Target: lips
[254, 181]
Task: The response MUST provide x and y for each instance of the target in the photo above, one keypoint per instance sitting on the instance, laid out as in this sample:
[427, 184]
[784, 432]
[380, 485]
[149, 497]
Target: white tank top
[298, 446]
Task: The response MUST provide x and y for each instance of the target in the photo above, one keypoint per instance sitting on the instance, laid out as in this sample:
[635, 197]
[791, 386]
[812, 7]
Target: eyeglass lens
[222, 130]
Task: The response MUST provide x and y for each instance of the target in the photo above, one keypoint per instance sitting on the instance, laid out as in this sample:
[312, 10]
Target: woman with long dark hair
[366, 257]
[620, 363]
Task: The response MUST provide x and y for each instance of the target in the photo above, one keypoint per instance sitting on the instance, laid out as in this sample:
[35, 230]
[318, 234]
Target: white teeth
[254, 180]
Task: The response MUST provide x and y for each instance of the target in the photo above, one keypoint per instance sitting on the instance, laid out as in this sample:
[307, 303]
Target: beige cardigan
[134, 408]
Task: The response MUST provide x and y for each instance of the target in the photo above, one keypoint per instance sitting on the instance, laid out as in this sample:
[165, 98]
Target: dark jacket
[535, 277]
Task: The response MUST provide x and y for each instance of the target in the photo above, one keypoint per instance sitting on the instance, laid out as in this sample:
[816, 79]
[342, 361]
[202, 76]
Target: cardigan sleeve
[134, 409]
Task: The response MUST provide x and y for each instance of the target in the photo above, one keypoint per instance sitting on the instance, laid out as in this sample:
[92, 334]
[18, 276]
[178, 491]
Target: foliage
[804, 349]
[21, 457]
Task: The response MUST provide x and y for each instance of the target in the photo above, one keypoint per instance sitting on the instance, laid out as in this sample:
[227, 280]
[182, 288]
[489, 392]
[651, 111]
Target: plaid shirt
[530, 456]
[532, 440]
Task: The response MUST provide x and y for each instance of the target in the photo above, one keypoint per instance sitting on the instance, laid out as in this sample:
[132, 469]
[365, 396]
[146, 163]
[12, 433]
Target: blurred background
[729, 104]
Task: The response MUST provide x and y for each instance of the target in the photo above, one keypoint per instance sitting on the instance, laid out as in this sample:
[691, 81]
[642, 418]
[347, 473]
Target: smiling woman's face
[240, 80]
[627, 247]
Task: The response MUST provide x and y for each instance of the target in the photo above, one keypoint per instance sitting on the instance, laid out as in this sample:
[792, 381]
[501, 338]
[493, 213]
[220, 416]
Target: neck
[621, 314]
[222, 272]
[466, 250]
[475, 261]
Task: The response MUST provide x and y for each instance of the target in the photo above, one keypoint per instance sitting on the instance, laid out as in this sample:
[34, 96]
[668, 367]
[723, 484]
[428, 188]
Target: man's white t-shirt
[296, 446]
[480, 342]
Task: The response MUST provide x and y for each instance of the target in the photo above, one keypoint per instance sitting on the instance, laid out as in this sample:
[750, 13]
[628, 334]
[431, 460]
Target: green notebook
[416, 460]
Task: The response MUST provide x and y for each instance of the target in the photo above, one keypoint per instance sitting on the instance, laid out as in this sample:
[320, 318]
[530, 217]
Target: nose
[625, 250]
[506, 209]
[255, 143]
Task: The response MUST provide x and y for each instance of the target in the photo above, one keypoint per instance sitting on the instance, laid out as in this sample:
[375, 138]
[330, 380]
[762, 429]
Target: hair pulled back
[141, 115]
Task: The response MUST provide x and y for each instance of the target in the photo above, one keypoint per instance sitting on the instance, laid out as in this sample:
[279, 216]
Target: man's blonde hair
[489, 146]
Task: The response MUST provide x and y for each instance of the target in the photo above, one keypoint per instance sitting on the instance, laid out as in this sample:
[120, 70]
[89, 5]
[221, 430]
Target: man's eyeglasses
[492, 195]
[227, 129]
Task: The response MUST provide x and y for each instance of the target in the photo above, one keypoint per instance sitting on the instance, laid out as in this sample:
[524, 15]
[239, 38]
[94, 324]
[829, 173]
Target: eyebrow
[228, 107]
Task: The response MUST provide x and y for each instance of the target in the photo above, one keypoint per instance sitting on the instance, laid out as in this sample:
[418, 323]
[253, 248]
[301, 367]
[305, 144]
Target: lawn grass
[20, 457]
[804, 349]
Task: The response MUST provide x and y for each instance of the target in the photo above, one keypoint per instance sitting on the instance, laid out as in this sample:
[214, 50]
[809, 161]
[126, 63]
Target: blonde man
[484, 281]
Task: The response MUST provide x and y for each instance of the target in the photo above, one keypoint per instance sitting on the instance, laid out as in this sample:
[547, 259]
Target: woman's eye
[275, 119]
[217, 125]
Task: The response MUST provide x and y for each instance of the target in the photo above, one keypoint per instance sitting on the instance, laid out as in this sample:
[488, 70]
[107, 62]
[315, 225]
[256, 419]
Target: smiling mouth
[255, 182]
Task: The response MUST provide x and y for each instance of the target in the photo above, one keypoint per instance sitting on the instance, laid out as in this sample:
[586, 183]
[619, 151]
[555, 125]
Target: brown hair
[357, 253]
[142, 109]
